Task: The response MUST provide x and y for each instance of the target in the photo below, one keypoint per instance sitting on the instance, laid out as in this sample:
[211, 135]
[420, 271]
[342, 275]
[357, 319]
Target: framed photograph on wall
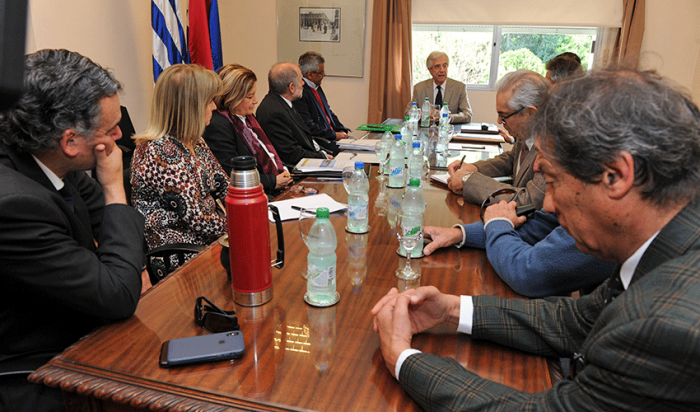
[317, 24]
[336, 29]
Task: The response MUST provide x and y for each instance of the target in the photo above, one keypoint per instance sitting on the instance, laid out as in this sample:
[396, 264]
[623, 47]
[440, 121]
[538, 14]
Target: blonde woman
[234, 131]
[176, 180]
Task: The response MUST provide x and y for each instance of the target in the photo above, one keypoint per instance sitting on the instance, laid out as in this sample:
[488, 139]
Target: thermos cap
[243, 163]
[244, 174]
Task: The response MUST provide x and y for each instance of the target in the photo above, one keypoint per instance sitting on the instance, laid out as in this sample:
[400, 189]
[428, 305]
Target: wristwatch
[466, 177]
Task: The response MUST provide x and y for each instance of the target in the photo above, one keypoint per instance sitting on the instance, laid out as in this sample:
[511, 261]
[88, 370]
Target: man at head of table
[441, 89]
[518, 96]
[71, 249]
[620, 150]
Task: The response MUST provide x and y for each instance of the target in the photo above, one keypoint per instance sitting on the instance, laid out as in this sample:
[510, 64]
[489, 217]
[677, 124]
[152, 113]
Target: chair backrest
[165, 259]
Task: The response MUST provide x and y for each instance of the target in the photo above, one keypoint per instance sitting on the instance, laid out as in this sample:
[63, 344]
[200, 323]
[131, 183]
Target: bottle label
[397, 171]
[320, 276]
[358, 212]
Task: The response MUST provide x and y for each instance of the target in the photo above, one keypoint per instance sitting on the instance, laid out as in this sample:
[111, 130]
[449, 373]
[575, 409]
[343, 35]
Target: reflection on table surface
[297, 357]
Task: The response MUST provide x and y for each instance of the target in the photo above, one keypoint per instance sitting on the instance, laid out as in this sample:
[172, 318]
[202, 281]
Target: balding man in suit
[282, 124]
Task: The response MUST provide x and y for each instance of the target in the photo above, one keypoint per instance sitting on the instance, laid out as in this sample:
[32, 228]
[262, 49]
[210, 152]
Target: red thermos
[249, 235]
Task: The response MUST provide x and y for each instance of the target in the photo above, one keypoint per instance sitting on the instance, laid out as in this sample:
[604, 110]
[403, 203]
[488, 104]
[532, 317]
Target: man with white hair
[442, 89]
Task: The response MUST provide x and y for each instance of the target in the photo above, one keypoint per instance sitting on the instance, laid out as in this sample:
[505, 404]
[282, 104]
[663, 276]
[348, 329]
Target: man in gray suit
[518, 95]
[441, 89]
[624, 180]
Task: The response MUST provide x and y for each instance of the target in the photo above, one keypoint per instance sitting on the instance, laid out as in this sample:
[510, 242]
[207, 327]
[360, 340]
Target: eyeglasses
[519, 210]
[503, 118]
[214, 319]
[321, 73]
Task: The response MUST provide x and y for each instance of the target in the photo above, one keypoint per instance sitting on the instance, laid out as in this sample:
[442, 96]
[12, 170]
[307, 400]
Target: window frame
[498, 31]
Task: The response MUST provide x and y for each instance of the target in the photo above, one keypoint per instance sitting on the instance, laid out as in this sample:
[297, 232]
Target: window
[479, 55]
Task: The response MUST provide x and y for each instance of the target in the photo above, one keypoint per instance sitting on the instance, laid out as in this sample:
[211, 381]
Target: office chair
[165, 259]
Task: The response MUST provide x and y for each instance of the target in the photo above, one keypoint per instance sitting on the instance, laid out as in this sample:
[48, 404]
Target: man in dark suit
[71, 250]
[282, 124]
[624, 180]
[518, 95]
[313, 106]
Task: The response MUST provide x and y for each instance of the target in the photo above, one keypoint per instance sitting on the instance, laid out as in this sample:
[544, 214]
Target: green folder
[393, 128]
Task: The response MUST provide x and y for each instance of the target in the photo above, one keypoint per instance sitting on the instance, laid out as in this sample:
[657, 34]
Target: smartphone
[200, 349]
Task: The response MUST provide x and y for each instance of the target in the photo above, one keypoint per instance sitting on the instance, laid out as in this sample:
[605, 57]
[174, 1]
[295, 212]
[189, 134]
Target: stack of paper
[360, 145]
[291, 208]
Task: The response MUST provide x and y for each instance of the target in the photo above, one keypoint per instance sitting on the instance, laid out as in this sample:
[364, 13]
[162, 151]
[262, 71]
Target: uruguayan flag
[169, 41]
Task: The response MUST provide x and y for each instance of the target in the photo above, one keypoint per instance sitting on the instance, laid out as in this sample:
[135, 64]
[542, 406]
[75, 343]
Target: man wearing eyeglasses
[631, 196]
[313, 105]
[440, 89]
[71, 249]
[518, 95]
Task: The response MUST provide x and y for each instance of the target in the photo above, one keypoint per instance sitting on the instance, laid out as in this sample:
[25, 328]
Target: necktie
[523, 154]
[438, 97]
[323, 108]
[67, 196]
[615, 287]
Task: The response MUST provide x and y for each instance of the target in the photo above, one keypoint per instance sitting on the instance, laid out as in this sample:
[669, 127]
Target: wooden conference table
[297, 357]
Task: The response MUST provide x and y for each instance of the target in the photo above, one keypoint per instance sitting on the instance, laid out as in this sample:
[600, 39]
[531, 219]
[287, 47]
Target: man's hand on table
[441, 237]
[399, 316]
[505, 210]
[454, 182]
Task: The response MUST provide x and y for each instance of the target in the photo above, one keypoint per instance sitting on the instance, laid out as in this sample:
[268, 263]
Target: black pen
[460, 162]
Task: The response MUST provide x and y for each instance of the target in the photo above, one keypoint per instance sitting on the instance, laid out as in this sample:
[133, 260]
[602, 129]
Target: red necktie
[322, 106]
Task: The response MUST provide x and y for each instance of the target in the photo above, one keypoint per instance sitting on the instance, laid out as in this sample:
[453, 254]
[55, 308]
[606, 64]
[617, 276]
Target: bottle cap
[413, 182]
[322, 213]
[359, 165]
[416, 144]
[444, 103]
[444, 115]
[397, 137]
[405, 118]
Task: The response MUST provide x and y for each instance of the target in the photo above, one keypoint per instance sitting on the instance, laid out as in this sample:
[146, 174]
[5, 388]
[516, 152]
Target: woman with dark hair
[234, 131]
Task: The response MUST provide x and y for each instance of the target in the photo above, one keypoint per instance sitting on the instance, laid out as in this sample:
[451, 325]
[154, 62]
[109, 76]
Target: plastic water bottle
[425, 114]
[414, 118]
[416, 163]
[444, 110]
[321, 273]
[413, 204]
[397, 162]
[358, 200]
[443, 134]
[406, 127]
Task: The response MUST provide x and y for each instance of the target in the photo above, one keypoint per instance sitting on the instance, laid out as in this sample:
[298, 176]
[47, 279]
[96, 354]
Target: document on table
[289, 209]
[354, 144]
[442, 178]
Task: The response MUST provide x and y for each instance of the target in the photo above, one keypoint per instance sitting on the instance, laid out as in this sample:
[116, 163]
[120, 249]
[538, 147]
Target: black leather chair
[165, 259]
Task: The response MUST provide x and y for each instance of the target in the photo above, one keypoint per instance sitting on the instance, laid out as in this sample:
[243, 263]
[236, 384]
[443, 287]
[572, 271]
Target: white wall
[117, 34]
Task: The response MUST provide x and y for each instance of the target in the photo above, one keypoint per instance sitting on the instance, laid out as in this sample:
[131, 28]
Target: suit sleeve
[279, 133]
[105, 283]
[414, 98]
[464, 111]
[479, 187]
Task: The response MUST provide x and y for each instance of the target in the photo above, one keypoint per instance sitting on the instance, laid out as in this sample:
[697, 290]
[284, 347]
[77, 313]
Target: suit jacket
[530, 185]
[311, 112]
[454, 93]
[57, 284]
[225, 142]
[286, 130]
[642, 351]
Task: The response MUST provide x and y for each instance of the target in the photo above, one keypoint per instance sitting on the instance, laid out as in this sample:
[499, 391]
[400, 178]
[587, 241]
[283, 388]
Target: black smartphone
[200, 349]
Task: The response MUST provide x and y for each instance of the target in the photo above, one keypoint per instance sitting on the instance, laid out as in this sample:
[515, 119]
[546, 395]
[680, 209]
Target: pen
[460, 162]
[329, 179]
[299, 208]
